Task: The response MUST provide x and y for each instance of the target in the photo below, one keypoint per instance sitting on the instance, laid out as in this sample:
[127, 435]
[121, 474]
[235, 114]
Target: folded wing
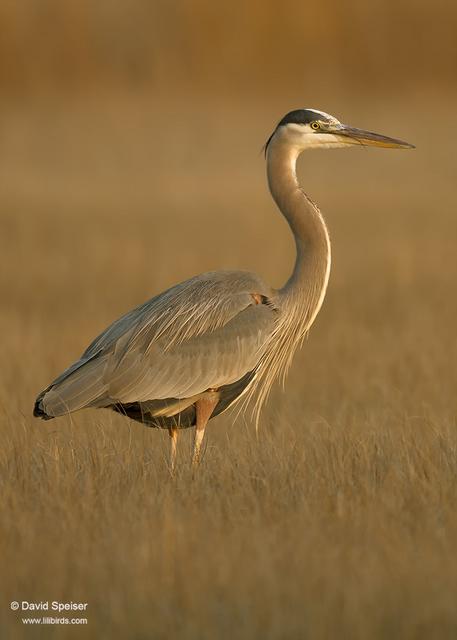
[204, 333]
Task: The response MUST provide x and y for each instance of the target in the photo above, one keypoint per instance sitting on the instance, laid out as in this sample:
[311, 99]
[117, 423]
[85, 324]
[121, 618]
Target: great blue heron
[192, 351]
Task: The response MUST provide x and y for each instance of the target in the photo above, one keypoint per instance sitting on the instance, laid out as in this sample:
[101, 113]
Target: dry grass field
[340, 519]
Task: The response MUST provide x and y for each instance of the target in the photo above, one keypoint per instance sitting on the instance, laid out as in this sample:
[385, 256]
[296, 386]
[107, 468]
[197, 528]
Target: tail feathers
[78, 387]
[38, 410]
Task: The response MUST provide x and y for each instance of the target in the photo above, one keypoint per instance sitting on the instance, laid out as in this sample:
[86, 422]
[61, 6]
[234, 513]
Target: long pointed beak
[359, 136]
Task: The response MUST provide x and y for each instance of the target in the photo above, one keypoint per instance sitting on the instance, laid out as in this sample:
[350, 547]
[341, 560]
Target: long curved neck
[307, 285]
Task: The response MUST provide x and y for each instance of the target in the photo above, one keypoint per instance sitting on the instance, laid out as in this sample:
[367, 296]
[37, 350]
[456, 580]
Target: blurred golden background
[130, 159]
[201, 47]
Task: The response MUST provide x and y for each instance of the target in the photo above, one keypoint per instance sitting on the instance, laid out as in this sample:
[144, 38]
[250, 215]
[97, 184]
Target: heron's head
[312, 129]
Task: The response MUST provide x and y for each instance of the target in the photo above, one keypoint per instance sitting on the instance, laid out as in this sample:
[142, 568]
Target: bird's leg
[204, 408]
[173, 431]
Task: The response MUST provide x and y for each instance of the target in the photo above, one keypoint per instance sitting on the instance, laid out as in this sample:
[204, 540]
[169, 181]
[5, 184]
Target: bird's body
[189, 353]
[158, 359]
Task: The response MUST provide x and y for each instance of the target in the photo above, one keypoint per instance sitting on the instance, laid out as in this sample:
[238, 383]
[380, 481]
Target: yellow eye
[315, 125]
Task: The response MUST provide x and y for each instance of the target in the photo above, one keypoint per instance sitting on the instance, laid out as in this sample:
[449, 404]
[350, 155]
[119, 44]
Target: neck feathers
[307, 285]
[301, 298]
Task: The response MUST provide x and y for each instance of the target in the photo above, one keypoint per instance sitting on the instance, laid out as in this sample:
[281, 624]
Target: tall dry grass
[339, 520]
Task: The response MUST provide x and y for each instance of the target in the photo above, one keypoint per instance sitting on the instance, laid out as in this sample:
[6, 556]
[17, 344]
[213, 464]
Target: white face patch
[303, 136]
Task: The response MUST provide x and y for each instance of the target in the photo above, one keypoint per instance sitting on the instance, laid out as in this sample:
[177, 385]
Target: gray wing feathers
[191, 308]
[211, 360]
[76, 388]
[205, 332]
